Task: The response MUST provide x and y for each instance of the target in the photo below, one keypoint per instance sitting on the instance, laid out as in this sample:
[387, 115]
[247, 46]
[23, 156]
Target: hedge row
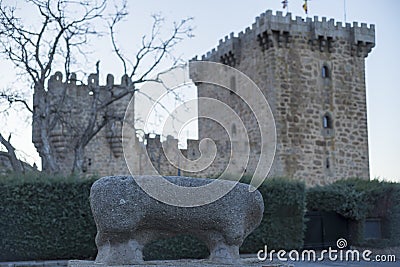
[49, 218]
[358, 200]
[45, 218]
[283, 223]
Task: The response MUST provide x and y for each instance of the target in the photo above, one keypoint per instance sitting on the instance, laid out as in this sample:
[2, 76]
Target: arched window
[325, 72]
[327, 122]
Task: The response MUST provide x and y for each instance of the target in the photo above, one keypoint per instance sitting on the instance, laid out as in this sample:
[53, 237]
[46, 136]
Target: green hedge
[45, 218]
[338, 197]
[283, 223]
[357, 200]
[179, 247]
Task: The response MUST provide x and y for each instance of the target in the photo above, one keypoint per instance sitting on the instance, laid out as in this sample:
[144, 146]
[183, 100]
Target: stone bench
[127, 219]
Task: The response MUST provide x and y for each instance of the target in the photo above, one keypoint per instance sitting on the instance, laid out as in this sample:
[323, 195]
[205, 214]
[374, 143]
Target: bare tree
[34, 52]
[63, 33]
[15, 163]
[9, 100]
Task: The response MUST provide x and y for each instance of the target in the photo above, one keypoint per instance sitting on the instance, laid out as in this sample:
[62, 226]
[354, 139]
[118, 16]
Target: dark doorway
[324, 229]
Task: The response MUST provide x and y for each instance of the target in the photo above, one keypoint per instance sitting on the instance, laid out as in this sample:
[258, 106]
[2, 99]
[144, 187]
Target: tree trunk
[78, 159]
[41, 116]
[15, 163]
[46, 150]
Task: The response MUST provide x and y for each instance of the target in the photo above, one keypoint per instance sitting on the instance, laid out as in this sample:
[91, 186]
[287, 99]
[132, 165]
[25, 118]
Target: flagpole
[344, 9]
[286, 5]
[305, 7]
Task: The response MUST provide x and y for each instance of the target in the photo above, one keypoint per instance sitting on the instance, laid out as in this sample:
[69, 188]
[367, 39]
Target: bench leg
[221, 251]
[224, 253]
[124, 252]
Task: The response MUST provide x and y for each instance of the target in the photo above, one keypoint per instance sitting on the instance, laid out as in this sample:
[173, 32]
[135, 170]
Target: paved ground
[201, 263]
[337, 264]
[247, 261]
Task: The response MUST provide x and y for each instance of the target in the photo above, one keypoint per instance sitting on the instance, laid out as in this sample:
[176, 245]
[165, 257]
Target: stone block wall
[72, 102]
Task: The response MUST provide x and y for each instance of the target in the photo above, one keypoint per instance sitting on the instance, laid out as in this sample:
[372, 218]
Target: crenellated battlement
[72, 99]
[56, 81]
[278, 30]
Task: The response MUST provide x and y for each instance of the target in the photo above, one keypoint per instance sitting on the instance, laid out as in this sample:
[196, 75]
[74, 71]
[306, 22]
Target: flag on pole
[305, 7]
[285, 3]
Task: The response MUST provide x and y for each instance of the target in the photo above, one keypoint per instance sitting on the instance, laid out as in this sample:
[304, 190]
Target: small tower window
[327, 163]
[325, 72]
[327, 122]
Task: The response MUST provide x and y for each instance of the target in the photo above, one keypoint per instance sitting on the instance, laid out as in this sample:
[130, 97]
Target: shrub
[45, 218]
[339, 198]
[178, 247]
[357, 200]
[283, 225]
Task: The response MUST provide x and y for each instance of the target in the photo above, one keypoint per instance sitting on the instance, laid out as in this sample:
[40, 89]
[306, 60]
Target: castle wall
[285, 58]
[73, 103]
[312, 73]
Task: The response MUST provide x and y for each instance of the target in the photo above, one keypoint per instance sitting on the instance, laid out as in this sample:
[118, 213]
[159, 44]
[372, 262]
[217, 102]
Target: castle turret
[70, 103]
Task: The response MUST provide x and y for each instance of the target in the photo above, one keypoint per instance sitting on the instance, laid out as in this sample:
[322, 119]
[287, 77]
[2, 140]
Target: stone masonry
[313, 75]
[104, 153]
[311, 71]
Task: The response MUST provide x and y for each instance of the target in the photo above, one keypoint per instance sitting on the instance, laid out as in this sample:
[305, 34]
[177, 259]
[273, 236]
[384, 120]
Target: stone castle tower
[312, 73]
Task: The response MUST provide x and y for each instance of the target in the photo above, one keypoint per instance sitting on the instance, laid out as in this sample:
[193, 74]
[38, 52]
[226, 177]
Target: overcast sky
[213, 19]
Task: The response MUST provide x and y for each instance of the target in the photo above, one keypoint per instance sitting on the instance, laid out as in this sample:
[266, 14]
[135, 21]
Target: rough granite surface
[127, 219]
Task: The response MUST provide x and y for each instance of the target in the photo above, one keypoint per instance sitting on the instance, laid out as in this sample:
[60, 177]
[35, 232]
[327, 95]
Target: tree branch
[15, 163]
[15, 98]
